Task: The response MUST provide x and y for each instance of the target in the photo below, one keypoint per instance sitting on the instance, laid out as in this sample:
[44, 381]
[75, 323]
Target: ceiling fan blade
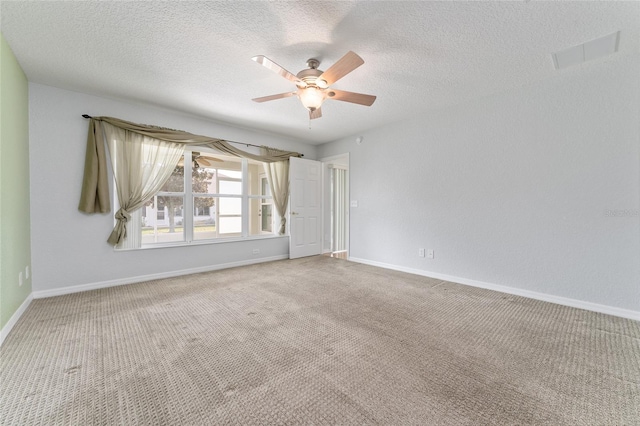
[317, 113]
[344, 66]
[274, 97]
[354, 98]
[208, 161]
[201, 160]
[268, 63]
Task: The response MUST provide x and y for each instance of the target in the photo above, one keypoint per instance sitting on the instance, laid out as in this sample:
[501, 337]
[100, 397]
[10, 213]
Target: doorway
[336, 204]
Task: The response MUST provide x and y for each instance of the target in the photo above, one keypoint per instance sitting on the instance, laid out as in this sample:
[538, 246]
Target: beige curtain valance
[95, 186]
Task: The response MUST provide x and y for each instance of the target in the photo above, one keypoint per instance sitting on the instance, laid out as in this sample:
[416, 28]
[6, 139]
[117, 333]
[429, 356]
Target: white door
[305, 209]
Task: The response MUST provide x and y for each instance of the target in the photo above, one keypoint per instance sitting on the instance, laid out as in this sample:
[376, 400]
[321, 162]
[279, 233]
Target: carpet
[316, 341]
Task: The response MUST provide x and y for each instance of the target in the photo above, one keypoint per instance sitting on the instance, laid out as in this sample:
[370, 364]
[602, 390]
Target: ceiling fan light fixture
[311, 97]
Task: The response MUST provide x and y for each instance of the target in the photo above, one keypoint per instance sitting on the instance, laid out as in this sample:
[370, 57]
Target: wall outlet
[354, 203]
[430, 254]
[256, 251]
[421, 252]
[20, 278]
[26, 273]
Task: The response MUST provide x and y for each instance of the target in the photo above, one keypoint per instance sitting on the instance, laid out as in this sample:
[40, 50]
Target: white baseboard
[141, 278]
[14, 318]
[574, 303]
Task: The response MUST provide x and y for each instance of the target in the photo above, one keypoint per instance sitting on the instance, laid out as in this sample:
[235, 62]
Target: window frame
[188, 206]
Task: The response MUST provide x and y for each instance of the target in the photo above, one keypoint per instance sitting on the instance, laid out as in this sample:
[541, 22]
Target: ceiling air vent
[588, 51]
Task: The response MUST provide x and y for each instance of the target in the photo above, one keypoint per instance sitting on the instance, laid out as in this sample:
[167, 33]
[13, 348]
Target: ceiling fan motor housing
[310, 76]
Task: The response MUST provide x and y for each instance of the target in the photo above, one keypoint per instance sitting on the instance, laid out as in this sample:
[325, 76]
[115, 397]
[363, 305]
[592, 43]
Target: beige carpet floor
[316, 341]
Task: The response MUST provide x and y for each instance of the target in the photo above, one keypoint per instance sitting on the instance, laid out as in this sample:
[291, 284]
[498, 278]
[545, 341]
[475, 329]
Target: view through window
[210, 197]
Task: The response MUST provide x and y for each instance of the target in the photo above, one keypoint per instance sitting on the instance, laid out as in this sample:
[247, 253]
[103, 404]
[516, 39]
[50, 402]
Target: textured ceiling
[196, 56]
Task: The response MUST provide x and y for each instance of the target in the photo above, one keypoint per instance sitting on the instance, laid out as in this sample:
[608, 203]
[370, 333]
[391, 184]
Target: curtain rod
[226, 140]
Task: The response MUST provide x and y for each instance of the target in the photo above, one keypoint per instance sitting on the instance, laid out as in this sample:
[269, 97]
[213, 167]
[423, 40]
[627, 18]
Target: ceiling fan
[313, 84]
[201, 160]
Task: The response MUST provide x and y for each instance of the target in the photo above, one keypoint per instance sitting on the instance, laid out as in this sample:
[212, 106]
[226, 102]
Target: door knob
[293, 213]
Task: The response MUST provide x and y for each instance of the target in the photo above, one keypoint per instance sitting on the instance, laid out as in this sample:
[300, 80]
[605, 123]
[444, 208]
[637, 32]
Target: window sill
[202, 242]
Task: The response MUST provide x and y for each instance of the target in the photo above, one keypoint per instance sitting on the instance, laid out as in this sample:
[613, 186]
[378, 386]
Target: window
[228, 196]
[266, 208]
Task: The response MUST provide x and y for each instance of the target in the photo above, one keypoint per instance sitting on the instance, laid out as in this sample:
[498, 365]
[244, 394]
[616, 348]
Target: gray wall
[512, 189]
[69, 247]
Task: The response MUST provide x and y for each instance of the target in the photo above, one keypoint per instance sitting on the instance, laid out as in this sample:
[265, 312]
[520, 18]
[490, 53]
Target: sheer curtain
[278, 177]
[141, 166]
